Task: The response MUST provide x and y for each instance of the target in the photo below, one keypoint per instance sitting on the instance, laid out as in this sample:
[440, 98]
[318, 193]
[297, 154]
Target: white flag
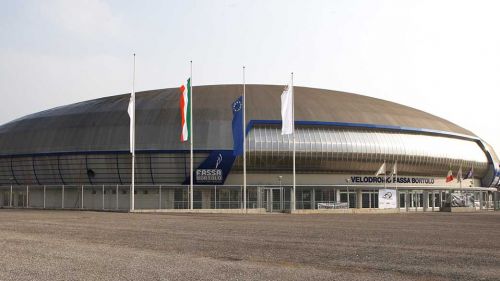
[131, 113]
[287, 111]
[394, 169]
[381, 170]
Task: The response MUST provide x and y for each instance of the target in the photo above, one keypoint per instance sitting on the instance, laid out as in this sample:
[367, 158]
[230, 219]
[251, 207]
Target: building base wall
[229, 199]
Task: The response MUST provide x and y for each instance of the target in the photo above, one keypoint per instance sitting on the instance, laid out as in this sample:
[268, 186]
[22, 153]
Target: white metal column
[81, 203]
[282, 196]
[480, 200]
[488, 198]
[416, 200]
[159, 199]
[116, 207]
[103, 196]
[62, 197]
[407, 200]
[313, 198]
[440, 199]
[359, 199]
[348, 199]
[433, 200]
[370, 192]
[398, 200]
[425, 203]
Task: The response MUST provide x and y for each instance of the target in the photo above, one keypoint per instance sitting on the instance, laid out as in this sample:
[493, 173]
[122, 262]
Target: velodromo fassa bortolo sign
[402, 180]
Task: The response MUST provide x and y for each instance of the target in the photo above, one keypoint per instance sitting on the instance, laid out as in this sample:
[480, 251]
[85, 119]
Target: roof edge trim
[366, 125]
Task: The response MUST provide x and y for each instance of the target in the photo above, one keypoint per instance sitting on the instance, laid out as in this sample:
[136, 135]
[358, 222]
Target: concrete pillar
[205, 198]
[488, 197]
[398, 203]
[81, 202]
[450, 197]
[496, 199]
[62, 197]
[426, 200]
[433, 200]
[416, 200]
[348, 198]
[282, 198]
[102, 193]
[370, 199]
[359, 199]
[407, 200]
[259, 196]
[337, 195]
[480, 200]
[313, 199]
[440, 198]
[159, 197]
[116, 199]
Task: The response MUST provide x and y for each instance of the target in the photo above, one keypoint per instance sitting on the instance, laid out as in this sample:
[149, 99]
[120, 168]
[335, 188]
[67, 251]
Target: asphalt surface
[74, 245]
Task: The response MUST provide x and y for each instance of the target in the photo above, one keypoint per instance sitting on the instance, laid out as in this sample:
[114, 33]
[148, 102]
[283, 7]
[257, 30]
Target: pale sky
[442, 57]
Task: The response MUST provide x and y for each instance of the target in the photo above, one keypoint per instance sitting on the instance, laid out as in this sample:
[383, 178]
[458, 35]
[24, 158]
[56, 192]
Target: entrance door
[274, 199]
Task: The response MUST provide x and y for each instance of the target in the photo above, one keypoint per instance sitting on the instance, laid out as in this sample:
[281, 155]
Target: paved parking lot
[74, 245]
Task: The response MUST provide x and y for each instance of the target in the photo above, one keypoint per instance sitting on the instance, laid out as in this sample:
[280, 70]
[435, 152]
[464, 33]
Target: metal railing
[270, 198]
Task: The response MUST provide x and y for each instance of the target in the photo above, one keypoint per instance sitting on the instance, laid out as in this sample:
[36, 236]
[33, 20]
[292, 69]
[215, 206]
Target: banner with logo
[387, 199]
[215, 168]
[237, 126]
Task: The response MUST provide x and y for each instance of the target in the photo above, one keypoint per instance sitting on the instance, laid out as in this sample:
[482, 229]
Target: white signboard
[387, 199]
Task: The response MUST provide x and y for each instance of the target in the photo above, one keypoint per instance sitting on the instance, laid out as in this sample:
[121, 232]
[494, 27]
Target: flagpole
[292, 199]
[472, 176]
[385, 176]
[397, 193]
[244, 145]
[132, 192]
[460, 177]
[191, 136]
[472, 181]
[396, 170]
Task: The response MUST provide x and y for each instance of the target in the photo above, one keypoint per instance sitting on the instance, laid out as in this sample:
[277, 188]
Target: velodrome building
[77, 156]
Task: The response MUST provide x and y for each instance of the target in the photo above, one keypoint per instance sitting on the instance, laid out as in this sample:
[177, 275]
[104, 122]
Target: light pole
[280, 178]
[348, 181]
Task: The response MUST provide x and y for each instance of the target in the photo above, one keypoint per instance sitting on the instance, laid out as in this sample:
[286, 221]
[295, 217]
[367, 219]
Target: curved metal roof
[103, 124]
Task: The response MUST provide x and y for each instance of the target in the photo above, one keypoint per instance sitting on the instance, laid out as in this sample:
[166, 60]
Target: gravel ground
[74, 245]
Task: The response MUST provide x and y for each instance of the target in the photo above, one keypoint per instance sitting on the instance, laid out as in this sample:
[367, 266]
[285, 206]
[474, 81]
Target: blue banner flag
[470, 174]
[238, 126]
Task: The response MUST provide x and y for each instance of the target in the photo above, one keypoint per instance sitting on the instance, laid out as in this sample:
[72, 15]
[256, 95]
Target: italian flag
[185, 105]
[449, 176]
